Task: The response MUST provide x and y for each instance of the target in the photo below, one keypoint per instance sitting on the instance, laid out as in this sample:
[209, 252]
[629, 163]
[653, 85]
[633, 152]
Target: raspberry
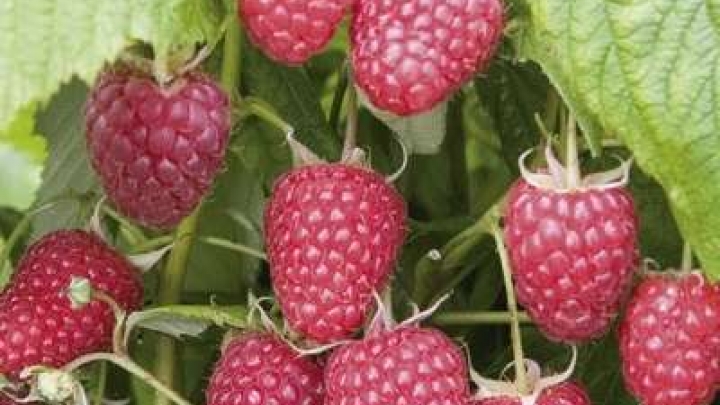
[573, 254]
[405, 366]
[260, 369]
[567, 393]
[333, 233]
[37, 322]
[157, 150]
[50, 263]
[670, 340]
[291, 31]
[408, 56]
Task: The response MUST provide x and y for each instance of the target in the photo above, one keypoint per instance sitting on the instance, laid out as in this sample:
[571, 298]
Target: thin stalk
[351, 125]
[521, 380]
[571, 160]
[131, 367]
[153, 244]
[687, 258]
[235, 247]
[339, 96]
[102, 384]
[259, 109]
[478, 318]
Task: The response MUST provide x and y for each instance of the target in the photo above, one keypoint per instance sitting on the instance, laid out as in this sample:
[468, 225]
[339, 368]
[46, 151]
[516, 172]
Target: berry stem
[133, 368]
[478, 317]
[260, 109]
[572, 161]
[235, 247]
[521, 380]
[339, 96]
[172, 281]
[352, 124]
[687, 258]
[152, 244]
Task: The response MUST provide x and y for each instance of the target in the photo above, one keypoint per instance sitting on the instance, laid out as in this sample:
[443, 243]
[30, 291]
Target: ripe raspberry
[405, 366]
[573, 255]
[37, 322]
[292, 31]
[49, 264]
[156, 150]
[333, 233]
[408, 56]
[567, 393]
[670, 340]
[259, 369]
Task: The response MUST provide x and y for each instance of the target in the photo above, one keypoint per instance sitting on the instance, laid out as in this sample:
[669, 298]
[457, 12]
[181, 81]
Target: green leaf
[293, 95]
[44, 43]
[186, 320]
[67, 173]
[22, 153]
[645, 71]
[422, 134]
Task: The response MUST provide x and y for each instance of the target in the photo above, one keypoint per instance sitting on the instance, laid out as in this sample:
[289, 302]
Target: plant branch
[235, 247]
[478, 317]
[521, 380]
[687, 258]
[131, 367]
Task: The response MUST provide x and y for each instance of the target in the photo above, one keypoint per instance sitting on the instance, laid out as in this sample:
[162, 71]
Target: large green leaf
[22, 153]
[646, 71]
[67, 174]
[44, 43]
[291, 92]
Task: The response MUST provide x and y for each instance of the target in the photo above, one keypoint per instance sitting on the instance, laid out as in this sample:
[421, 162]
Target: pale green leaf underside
[45, 42]
[646, 71]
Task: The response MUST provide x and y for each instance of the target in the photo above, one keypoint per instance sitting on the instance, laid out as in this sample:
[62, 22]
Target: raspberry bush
[233, 201]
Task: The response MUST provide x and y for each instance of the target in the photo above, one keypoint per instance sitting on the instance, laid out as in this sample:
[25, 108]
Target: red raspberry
[670, 340]
[405, 366]
[408, 56]
[567, 393]
[37, 322]
[573, 254]
[333, 233]
[291, 31]
[49, 264]
[260, 369]
[156, 150]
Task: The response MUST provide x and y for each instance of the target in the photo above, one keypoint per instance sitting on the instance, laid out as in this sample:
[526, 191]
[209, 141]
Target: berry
[408, 56]
[260, 369]
[567, 393]
[156, 149]
[670, 340]
[405, 366]
[291, 31]
[37, 322]
[333, 233]
[573, 254]
[48, 266]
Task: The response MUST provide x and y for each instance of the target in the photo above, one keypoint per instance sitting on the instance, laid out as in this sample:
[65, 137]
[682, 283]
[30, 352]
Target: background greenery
[639, 74]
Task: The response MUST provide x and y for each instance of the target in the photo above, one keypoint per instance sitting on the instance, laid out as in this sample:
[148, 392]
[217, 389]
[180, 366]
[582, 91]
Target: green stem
[571, 160]
[234, 247]
[687, 258]
[152, 244]
[339, 96]
[132, 234]
[172, 281]
[521, 380]
[352, 124]
[102, 384]
[481, 318]
[133, 368]
[260, 109]
[232, 58]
